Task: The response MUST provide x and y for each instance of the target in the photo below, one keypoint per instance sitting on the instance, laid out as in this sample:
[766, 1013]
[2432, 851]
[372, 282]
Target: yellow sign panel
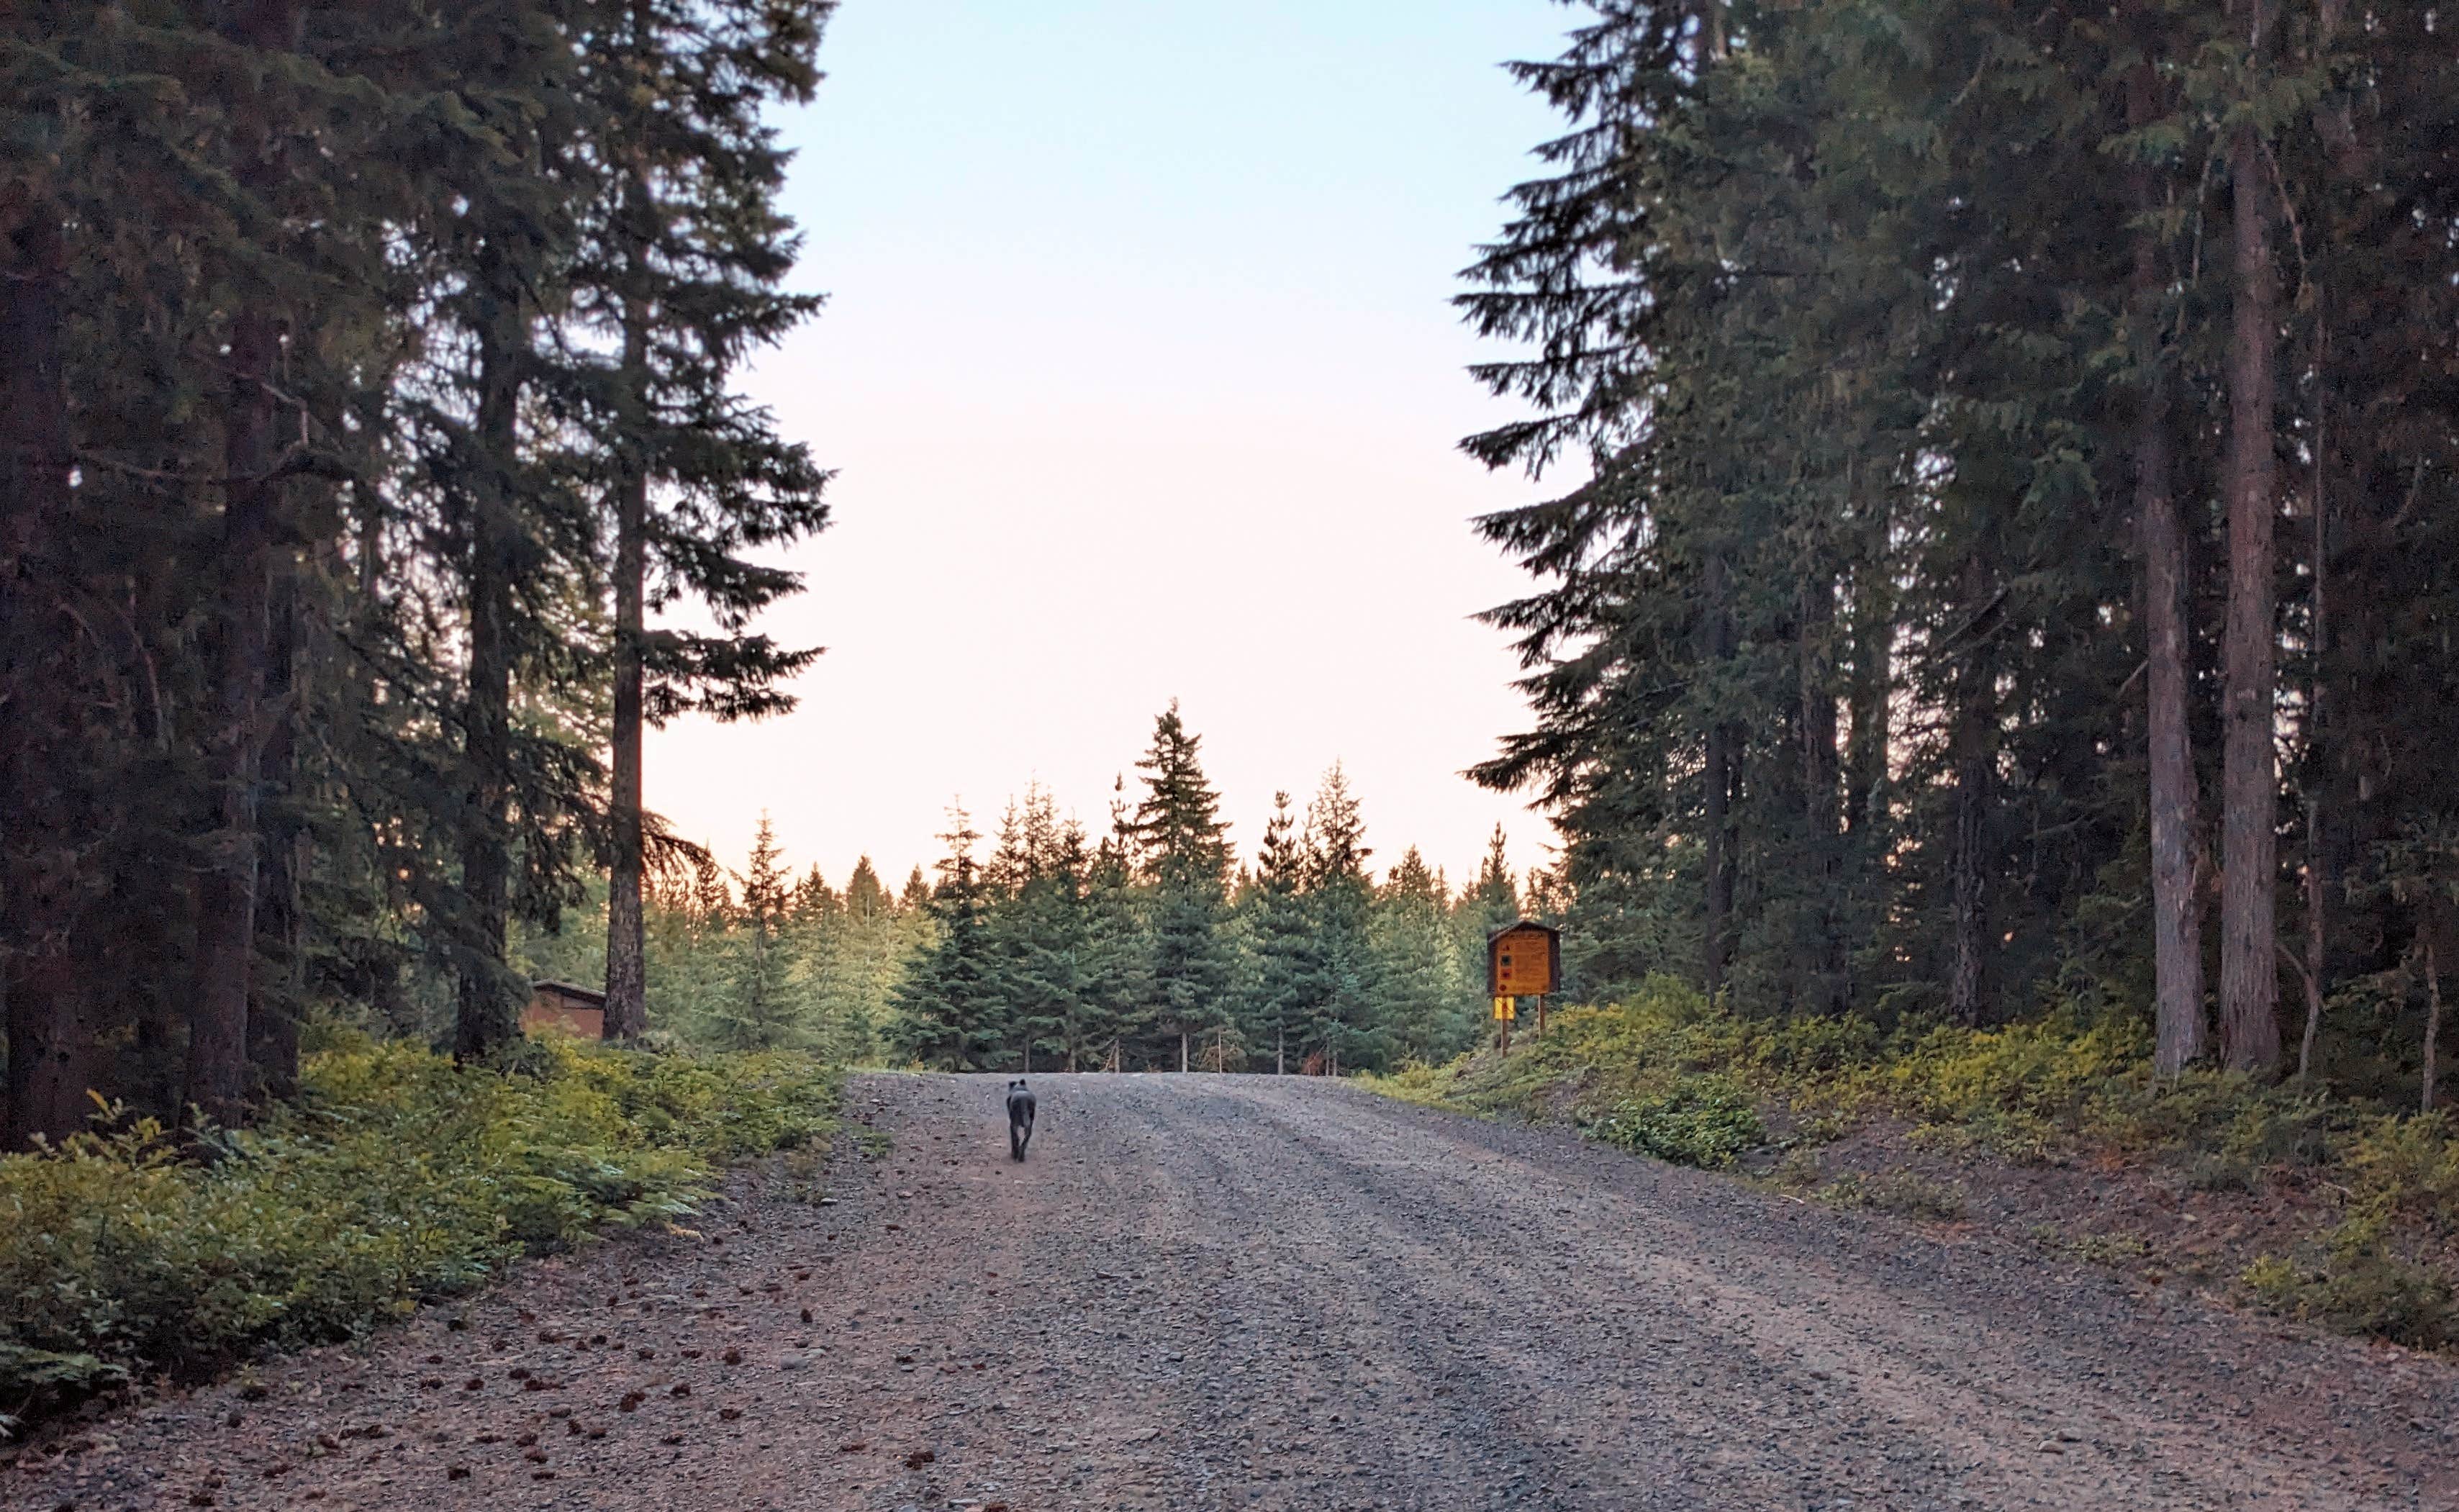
[1521, 961]
[1505, 1008]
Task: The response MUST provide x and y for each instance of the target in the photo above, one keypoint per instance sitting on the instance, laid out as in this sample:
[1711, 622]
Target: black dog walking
[1019, 1118]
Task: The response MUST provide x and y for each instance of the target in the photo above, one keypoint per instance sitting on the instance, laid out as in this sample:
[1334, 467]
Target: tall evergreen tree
[1282, 968]
[1424, 1006]
[758, 1012]
[685, 270]
[1340, 1024]
[1183, 850]
[951, 1001]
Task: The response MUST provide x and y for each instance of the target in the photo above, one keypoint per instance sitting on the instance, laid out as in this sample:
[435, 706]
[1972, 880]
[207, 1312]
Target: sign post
[1524, 961]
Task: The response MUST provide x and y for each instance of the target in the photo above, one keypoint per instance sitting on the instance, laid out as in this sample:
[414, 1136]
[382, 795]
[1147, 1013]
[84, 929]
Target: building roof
[563, 989]
[1523, 924]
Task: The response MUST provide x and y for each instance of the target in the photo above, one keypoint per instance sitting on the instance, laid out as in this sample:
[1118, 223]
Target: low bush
[396, 1177]
[2361, 1284]
[1705, 1121]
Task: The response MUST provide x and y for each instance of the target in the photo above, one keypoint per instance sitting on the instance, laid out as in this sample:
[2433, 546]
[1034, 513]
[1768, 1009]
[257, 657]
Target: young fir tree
[950, 1001]
[1424, 1006]
[1340, 1017]
[759, 1010]
[1118, 945]
[1041, 930]
[1282, 967]
[1182, 854]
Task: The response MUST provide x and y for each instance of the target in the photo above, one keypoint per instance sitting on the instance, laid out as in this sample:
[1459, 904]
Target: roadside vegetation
[395, 1178]
[2323, 1206]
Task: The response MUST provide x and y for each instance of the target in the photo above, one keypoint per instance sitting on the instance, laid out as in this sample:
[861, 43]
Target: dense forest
[2002, 556]
[1042, 947]
[371, 379]
[2000, 569]
[1152, 948]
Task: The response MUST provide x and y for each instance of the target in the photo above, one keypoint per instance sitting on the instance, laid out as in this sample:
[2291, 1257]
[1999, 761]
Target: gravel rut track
[1224, 1293]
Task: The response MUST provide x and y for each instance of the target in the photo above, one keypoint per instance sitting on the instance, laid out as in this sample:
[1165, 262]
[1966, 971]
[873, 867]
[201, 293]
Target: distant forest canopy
[2015, 568]
[371, 374]
[1150, 946]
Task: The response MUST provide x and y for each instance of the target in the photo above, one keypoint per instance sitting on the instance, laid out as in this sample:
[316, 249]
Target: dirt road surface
[1224, 1293]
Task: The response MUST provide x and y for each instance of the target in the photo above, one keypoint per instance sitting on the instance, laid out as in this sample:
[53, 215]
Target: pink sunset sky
[1141, 383]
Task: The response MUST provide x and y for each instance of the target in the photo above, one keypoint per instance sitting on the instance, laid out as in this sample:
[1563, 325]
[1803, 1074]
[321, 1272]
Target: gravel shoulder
[1227, 1292]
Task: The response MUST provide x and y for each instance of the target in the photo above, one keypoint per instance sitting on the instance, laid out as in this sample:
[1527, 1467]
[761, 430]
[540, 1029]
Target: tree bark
[2176, 911]
[273, 1016]
[627, 976]
[253, 527]
[1827, 988]
[2432, 1023]
[1718, 777]
[2317, 939]
[489, 1011]
[1973, 748]
[1874, 625]
[2250, 781]
[53, 1054]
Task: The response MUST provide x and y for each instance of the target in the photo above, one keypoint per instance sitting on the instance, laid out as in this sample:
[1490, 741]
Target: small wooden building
[562, 1008]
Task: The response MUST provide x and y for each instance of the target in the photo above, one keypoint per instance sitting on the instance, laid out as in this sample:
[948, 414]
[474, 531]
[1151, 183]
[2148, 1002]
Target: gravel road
[1207, 1291]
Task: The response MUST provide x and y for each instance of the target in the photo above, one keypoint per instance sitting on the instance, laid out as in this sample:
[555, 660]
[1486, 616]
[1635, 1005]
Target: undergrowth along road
[1243, 1292]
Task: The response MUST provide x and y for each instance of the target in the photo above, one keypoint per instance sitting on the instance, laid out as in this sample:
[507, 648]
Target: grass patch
[394, 1179]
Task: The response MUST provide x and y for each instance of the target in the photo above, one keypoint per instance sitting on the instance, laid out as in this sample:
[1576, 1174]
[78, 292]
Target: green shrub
[2363, 1286]
[2410, 1165]
[1904, 1193]
[396, 1177]
[1705, 1121]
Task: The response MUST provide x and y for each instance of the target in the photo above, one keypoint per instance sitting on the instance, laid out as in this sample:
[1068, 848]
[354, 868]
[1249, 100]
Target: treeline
[1153, 948]
[370, 373]
[2012, 559]
[760, 959]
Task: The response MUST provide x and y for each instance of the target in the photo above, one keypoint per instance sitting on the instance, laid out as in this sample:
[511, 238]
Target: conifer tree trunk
[2250, 782]
[1718, 776]
[627, 976]
[2177, 913]
[1865, 756]
[487, 1015]
[2317, 944]
[1973, 751]
[52, 1049]
[2432, 1022]
[227, 893]
[273, 1016]
[1819, 773]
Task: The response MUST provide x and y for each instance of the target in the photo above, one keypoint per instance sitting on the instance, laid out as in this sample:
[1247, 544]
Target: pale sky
[1141, 383]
